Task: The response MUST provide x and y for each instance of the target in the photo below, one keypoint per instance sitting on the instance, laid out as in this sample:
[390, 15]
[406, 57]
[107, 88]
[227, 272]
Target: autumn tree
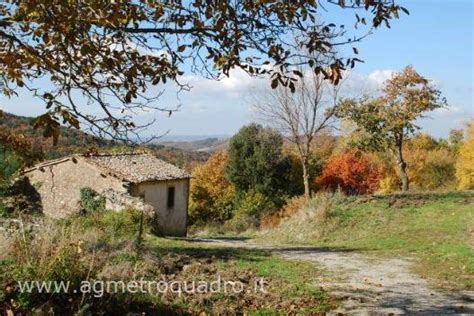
[211, 192]
[455, 138]
[300, 115]
[296, 186]
[18, 144]
[465, 163]
[102, 58]
[431, 163]
[256, 162]
[387, 121]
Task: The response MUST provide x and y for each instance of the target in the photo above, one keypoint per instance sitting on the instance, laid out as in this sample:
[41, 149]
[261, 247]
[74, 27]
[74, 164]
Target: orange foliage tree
[212, 195]
[352, 172]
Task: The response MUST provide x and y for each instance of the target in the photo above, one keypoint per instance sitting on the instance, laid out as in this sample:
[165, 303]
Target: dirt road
[368, 285]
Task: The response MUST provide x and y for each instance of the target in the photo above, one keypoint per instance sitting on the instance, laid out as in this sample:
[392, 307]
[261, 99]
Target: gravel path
[368, 285]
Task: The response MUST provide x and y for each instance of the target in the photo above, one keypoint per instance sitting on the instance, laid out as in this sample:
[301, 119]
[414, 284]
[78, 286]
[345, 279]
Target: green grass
[299, 278]
[434, 228]
[102, 246]
[289, 282]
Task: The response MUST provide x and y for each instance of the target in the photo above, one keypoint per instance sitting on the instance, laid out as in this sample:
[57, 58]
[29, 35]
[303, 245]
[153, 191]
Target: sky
[436, 38]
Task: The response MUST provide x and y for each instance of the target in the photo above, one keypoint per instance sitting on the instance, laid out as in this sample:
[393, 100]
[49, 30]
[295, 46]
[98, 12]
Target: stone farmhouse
[139, 181]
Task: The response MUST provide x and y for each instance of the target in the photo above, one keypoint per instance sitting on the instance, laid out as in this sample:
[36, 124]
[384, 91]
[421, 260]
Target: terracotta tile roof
[138, 167]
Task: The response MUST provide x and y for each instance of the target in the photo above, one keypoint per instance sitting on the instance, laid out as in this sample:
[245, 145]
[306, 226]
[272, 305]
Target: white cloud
[379, 77]
[237, 82]
[450, 110]
[356, 84]
[221, 107]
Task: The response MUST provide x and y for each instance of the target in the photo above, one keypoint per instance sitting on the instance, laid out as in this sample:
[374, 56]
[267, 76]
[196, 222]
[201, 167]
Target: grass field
[436, 229]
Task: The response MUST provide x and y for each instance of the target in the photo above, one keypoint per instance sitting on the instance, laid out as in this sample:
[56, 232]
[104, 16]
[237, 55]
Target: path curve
[368, 285]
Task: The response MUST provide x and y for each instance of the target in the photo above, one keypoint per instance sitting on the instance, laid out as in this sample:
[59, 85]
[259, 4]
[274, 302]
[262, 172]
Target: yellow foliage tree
[465, 162]
[431, 165]
[390, 181]
[211, 194]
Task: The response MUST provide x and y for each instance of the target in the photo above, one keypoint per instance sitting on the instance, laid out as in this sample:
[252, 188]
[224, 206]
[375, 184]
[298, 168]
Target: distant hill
[73, 141]
[207, 145]
[70, 141]
[189, 138]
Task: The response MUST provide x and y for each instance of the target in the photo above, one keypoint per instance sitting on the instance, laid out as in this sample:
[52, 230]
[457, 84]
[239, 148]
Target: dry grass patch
[102, 247]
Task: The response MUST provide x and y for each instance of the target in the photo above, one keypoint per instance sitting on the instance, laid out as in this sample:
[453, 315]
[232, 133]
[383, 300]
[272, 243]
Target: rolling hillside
[207, 145]
[72, 141]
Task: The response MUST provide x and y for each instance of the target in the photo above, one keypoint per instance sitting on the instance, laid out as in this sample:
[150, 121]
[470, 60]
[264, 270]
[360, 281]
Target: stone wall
[120, 201]
[59, 185]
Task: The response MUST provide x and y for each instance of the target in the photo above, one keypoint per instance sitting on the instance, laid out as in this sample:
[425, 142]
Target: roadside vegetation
[105, 245]
[435, 229]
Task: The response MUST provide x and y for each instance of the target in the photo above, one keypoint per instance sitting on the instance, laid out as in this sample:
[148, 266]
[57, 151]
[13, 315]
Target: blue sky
[436, 38]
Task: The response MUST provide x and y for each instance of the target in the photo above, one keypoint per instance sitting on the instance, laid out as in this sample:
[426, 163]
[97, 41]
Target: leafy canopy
[352, 172]
[431, 163]
[387, 120]
[465, 163]
[112, 52]
[256, 163]
[212, 195]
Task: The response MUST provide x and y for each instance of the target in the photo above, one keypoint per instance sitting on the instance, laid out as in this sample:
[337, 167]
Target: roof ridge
[116, 154]
[50, 162]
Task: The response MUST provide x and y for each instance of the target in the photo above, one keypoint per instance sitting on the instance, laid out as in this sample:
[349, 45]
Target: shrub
[79, 248]
[352, 172]
[252, 203]
[53, 252]
[431, 163]
[250, 208]
[117, 226]
[431, 169]
[389, 180]
[91, 201]
[292, 206]
[465, 162]
[9, 164]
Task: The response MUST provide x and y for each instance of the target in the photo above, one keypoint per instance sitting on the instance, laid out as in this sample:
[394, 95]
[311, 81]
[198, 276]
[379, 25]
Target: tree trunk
[402, 166]
[307, 192]
[403, 175]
